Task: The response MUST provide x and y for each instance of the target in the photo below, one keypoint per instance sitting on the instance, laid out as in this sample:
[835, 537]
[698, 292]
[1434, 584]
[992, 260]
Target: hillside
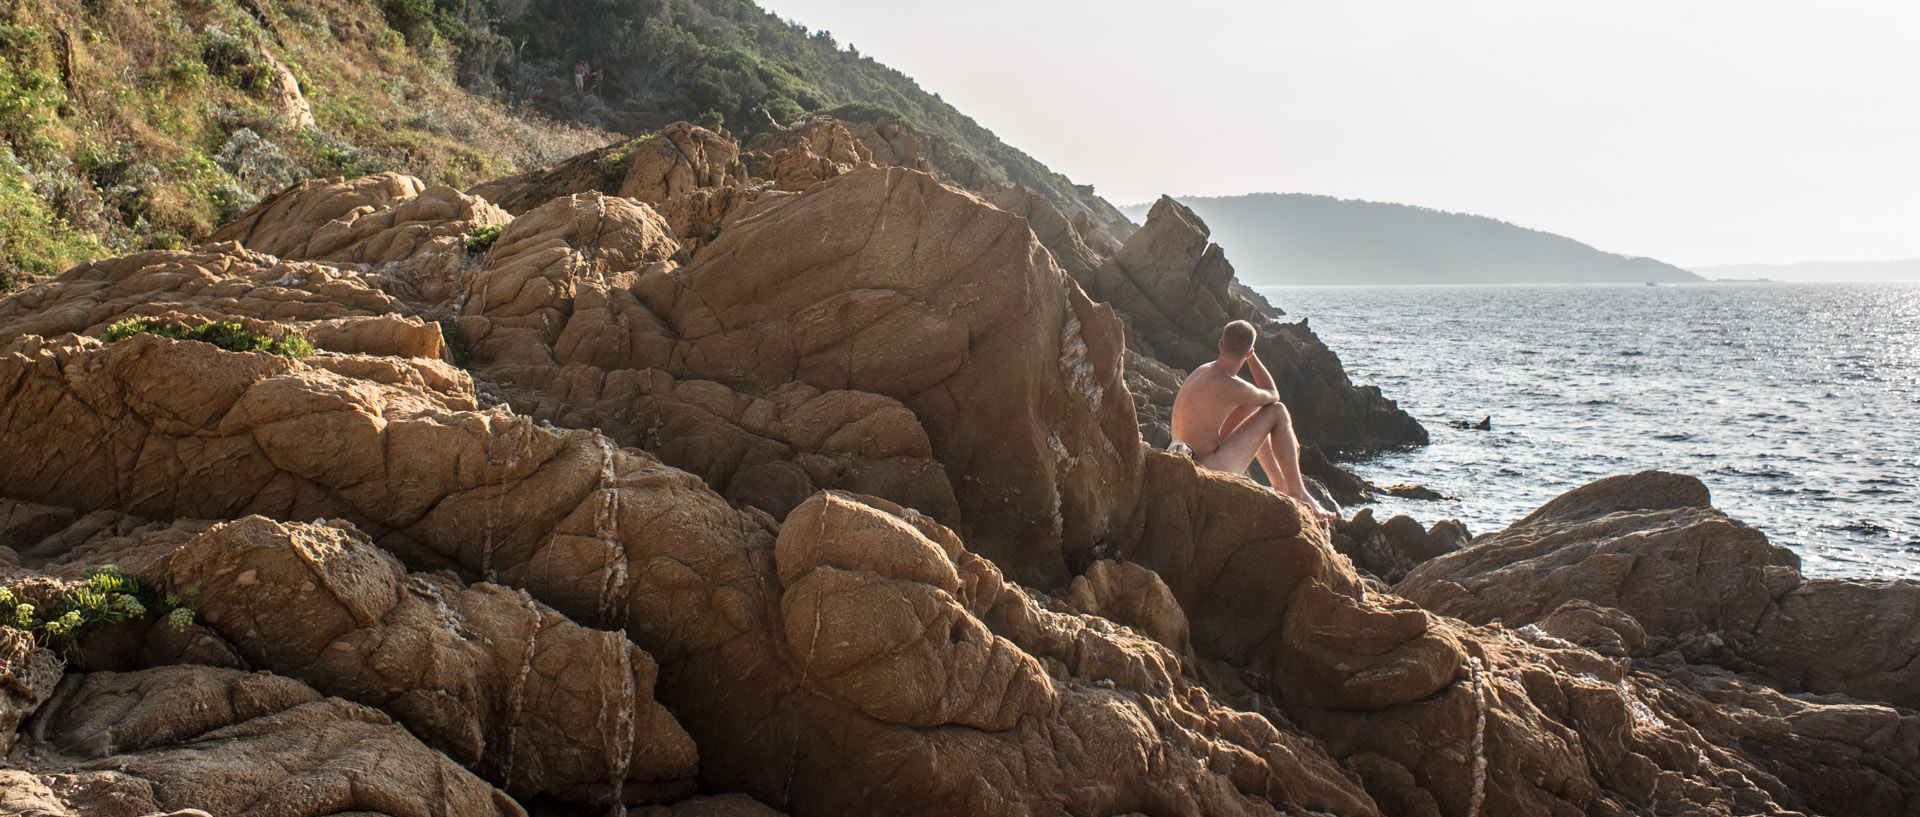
[142, 126]
[130, 126]
[1821, 271]
[721, 62]
[1294, 238]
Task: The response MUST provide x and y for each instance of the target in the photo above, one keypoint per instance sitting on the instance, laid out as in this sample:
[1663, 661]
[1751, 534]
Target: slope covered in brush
[727, 62]
[127, 126]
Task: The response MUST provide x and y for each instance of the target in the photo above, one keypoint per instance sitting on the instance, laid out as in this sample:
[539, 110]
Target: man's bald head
[1236, 340]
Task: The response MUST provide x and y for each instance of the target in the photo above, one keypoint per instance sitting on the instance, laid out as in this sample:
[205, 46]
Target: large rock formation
[847, 512]
[893, 284]
[1699, 583]
[1175, 290]
[226, 742]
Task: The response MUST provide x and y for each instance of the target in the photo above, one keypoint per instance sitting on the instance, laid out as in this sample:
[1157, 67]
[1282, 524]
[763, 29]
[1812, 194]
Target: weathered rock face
[1174, 289]
[1391, 549]
[228, 742]
[27, 677]
[824, 652]
[339, 309]
[861, 635]
[890, 144]
[1649, 546]
[816, 150]
[556, 323]
[502, 684]
[690, 175]
[1055, 232]
[389, 222]
[893, 284]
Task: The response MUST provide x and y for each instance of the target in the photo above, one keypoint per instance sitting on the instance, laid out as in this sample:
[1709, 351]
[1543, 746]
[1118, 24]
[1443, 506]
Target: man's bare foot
[1319, 511]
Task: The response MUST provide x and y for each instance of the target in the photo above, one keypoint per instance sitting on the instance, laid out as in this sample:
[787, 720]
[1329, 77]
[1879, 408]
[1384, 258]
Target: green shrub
[15, 612]
[106, 595]
[482, 236]
[456, 342]
[229, 336]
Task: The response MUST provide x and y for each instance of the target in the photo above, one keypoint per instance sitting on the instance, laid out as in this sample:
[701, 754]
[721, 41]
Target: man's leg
[1239, 446]
[1280, 457]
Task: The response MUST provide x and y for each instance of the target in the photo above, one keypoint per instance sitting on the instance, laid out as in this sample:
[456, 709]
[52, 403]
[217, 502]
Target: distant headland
[1301, 239]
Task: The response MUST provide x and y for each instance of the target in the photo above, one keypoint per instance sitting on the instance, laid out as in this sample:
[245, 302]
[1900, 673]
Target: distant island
[1300, 239]
[1823, 271]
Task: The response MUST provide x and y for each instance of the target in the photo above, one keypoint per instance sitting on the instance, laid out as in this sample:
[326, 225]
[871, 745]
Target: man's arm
[1262, 392]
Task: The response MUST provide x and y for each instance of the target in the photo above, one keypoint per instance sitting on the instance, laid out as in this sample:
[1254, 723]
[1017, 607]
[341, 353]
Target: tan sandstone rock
[956, 310]
[503, 684]
[226, 742]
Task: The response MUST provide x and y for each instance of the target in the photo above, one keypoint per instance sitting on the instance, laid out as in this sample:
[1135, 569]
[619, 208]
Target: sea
[1798, 404]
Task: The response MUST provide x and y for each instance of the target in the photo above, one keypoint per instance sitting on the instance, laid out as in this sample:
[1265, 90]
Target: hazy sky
[1693, 131]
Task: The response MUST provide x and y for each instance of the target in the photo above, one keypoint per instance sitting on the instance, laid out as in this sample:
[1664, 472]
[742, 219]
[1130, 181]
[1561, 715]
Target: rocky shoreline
[794, 480]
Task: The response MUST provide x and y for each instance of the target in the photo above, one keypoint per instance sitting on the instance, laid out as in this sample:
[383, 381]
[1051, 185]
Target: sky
[1697, 132]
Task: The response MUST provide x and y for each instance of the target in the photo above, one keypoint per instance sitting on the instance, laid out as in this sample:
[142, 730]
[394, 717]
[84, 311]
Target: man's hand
[1262, 379]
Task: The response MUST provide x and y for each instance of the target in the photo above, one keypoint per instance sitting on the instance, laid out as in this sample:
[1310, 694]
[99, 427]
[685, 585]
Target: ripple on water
[1797, 404]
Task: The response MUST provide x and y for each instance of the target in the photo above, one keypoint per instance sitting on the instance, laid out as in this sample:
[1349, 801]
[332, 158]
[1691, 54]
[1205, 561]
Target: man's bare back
[1229, 422]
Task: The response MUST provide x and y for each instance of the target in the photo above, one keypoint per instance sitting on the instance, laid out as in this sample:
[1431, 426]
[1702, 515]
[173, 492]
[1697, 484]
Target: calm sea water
[1797, 404]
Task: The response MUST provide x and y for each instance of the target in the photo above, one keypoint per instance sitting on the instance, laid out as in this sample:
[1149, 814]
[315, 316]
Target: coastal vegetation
[142, 126]
[225, 334]
[105, 595]
[131, 126]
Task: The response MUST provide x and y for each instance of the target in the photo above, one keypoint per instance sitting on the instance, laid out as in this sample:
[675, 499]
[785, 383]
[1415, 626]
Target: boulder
[28, 674]
[813, 151]
[678, 160]
[1392, 549]
[888, 282]
[227, 742]
[390, 223]
[1053, 229]
[1707, 586]
[504, 685]
[556, 327]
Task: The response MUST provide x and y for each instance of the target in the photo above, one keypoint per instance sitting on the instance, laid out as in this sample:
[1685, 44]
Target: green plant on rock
[227, 335]
[482, 236]
[15, 612]
[456, 342]
[106, 595]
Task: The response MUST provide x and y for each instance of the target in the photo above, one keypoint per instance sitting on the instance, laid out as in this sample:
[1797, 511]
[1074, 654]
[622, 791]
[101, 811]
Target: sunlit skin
[1230, 421]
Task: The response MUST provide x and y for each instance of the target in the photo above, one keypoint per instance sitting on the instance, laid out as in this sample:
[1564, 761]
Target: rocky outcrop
[1055, 232]
[860, 635]
[890, 144]
[813, 151]
[502, 684]
[1174, 290]
[1699, 583]
[1393, 548]
[690, 175]
[672, 589]
[894, 284]
[391, 224]
[227, 742]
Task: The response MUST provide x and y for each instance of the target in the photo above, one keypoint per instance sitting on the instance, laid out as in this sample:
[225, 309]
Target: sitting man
[1223, 422]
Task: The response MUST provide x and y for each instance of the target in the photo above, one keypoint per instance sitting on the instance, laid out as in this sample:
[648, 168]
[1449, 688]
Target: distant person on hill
[580, 70]
[1223, 422]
